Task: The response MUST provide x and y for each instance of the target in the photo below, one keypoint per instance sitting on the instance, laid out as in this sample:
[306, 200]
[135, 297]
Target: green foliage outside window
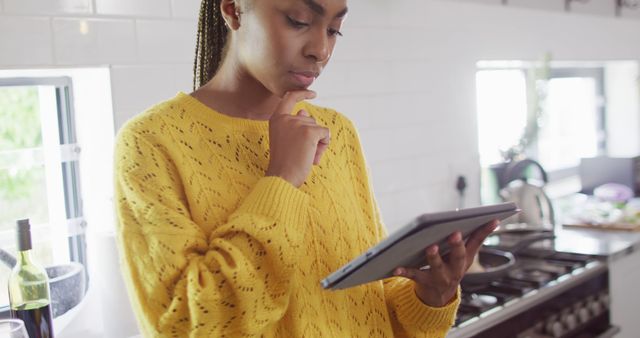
[22, 188]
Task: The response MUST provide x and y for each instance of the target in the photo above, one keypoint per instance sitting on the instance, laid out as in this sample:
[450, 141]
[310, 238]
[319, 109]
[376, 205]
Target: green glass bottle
[29, 288]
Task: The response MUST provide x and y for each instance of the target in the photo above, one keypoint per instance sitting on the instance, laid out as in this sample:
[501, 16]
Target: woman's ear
[231, 13]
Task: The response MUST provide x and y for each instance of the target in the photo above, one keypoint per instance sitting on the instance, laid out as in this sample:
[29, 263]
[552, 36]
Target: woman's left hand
[438, 285]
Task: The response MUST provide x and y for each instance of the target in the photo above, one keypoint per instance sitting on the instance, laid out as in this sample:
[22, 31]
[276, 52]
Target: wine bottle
[29, 288]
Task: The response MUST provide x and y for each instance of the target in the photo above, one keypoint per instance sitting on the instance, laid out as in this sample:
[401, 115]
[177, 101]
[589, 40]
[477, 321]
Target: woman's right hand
[296, 142]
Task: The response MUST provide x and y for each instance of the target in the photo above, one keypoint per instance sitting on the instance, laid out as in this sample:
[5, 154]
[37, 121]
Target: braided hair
[210, 42]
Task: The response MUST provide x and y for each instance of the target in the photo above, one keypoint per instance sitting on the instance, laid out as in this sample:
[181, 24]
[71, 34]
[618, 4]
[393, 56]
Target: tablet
[406, 246]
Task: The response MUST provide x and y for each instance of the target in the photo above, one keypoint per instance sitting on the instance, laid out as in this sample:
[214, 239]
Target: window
[573, 124]
[570, 127]
[39, 170]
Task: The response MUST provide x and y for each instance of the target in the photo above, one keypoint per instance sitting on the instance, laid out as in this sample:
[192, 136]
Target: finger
[303, 115]
[477, 237]
[323, 144]
[319, 152]
[290, 99]
[414, 274]
[436, 265]
[457, 257]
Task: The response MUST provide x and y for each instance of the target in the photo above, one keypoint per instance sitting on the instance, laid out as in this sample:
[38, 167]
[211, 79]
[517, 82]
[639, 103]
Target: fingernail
[432, 250]
[457, 237]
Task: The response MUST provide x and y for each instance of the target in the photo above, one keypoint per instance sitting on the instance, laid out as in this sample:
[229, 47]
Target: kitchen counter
[606, 243]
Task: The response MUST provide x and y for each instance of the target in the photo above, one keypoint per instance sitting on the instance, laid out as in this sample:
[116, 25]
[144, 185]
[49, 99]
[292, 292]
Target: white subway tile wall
[60, 7]
[135, 88]
[161, 41]
[606, 8]
[25, 41]
[404, 72]
[554, 5]
[139, 8]
[486, 2]
[631, 12]
[94, 41]
[187, 9]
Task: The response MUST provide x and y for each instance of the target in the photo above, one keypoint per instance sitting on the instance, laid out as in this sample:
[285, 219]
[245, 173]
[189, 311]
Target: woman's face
[285, 44]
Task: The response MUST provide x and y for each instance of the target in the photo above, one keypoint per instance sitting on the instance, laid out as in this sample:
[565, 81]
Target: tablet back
[406, 247]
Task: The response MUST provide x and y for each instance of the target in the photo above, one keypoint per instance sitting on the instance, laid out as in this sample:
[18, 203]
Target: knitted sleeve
[184, 283]
[410, 317]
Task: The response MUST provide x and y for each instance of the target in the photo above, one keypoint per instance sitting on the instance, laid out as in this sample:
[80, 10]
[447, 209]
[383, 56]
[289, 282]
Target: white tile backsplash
[188, 9]
[552, 5]
[356, 78]
[605, 8]
[94, 41]
[484, 2]
[162, 41]
[183, 77]
[136, 88]
[630, 13]
[391, 144]
[25, 41]
[408, 173]
[48, 6]
[138, 8]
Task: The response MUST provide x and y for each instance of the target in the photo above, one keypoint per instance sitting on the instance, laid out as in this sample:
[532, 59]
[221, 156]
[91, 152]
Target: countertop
[606, 243]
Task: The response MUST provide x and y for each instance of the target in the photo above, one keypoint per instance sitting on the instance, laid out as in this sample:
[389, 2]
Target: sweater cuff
[275, 198]
[411, 311]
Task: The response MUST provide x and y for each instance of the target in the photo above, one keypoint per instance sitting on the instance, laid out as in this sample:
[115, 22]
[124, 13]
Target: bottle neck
[24, 257]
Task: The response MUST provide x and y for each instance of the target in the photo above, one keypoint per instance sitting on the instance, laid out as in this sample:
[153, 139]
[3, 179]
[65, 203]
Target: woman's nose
[318, 47]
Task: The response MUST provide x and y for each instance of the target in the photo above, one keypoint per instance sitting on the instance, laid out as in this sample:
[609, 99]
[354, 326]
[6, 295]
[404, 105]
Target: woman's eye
[334, 32]
[295, 23]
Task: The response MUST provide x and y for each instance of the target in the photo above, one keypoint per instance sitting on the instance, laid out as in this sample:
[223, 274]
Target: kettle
[537, 211]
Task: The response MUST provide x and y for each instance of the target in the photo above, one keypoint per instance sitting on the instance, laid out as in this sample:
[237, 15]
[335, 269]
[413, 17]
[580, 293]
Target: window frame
[566, 71]
[70, 151]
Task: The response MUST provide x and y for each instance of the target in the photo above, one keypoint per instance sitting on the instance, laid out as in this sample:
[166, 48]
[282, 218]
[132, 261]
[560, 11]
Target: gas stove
[546, 294]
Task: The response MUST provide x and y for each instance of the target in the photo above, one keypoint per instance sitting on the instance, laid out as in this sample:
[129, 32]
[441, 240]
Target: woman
[236, 200]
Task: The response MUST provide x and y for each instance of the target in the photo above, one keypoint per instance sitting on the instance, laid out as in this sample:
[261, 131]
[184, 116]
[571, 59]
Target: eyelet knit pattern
[213, 248]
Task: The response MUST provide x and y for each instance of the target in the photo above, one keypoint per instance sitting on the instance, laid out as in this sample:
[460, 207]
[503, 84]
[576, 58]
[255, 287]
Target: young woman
[234, 201]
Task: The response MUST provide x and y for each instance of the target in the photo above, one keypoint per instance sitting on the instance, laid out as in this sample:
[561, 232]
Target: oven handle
[612, 331]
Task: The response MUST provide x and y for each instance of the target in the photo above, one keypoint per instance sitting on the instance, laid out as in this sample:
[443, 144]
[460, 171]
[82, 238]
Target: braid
[210, 42]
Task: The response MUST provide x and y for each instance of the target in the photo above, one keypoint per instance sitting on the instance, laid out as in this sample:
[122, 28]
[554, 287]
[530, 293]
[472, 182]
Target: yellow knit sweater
[213, 248]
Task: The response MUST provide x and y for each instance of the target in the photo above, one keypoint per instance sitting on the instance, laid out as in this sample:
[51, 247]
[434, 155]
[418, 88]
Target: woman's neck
[234, 92]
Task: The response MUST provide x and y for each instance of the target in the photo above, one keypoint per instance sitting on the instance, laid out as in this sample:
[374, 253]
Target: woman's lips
[305, 79]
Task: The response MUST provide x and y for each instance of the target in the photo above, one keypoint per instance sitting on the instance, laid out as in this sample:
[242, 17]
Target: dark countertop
[607, 243]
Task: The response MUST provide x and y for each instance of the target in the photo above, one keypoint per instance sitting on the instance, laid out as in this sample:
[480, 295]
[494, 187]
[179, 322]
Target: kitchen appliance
[537, 210]
[596, 171]
[496, 263]
[546, 294]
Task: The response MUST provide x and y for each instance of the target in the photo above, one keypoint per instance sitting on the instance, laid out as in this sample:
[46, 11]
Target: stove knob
[553, 327]
[605, 300]
[570, 321]
[583, 315]
[594, 307]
